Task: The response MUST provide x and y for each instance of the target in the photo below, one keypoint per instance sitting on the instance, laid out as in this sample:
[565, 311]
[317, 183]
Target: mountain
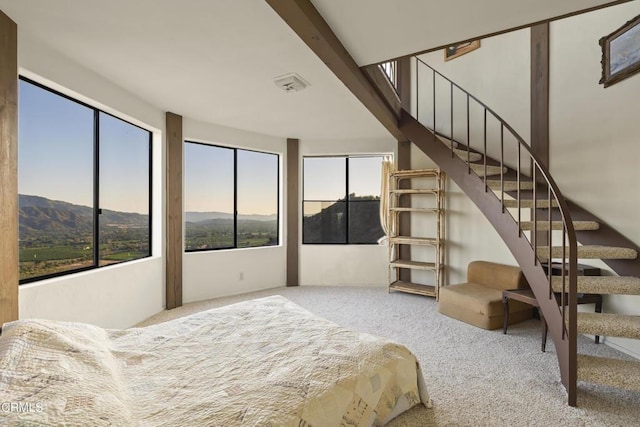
[39, 214]
[207, 216]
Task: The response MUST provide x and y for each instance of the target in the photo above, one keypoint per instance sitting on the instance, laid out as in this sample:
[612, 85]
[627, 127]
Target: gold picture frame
[455, 50]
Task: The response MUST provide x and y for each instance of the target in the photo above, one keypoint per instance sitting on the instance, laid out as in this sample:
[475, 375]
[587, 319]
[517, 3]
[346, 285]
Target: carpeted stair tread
[462, 151]
[612, 372]
[604, 285]
[620, 285]
[478, 169]
[528, 203]
[609, 324]
[473, 157]
[590, 252]
[557, 225]
[447, 142]
[509, 185]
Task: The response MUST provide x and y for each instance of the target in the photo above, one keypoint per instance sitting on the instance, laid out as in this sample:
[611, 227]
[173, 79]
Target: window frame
[97, 210]
[346, 200]
[235, 200]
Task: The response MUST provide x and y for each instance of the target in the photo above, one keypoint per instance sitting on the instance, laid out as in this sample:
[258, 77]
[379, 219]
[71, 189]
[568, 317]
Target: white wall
[112, 297]
[213, 274]
[498, 75]
[116, 296]
[594, 134]
[469, 235]
[218, 273]
[359, 265]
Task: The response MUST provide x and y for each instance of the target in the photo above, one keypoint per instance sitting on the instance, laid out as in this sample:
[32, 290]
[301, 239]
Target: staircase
[496, 169]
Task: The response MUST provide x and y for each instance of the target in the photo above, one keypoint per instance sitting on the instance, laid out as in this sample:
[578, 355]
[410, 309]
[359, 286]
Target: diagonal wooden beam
[308, 24]
[384, 87]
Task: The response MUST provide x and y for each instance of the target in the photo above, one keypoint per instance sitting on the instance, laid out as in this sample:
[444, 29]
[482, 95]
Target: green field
[55, 253]
[219, 234]
[50, 254]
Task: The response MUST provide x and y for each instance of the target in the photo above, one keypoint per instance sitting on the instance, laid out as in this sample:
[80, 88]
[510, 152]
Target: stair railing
[390, 69]
[461, 120]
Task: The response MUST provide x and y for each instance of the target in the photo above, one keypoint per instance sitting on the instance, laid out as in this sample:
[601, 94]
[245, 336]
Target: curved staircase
[506, 191]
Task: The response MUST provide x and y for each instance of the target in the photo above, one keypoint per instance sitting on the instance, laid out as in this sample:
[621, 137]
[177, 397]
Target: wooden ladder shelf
[421, 194]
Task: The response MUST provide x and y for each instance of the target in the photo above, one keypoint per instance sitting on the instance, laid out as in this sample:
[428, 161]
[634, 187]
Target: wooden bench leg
[598, 310]
[505, 305]
[544, 332]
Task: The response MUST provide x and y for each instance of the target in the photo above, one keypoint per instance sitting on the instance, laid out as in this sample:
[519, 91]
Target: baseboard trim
[621, 348]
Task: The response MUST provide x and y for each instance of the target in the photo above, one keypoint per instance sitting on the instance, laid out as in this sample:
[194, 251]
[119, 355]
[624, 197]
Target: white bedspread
[265, 362]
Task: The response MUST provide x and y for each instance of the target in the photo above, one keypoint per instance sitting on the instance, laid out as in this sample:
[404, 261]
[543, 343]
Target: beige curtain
[385, 220]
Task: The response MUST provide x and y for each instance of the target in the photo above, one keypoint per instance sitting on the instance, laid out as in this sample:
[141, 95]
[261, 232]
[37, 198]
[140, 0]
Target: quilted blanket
[265, 362]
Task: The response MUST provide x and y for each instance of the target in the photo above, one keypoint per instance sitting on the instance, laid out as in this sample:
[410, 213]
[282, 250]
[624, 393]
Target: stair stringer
[502, 221]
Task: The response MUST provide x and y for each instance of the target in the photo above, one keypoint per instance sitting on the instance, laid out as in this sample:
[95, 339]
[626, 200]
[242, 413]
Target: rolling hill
[39, 215]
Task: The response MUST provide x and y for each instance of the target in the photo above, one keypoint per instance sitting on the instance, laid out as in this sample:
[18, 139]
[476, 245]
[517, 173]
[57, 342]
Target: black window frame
[346, 200]
[96, 188]
[235, 200]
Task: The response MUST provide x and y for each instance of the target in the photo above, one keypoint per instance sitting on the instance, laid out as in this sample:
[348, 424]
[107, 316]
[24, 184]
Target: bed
[265, 362]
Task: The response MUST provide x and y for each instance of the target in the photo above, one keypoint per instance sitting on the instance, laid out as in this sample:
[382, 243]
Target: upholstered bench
[479, 301]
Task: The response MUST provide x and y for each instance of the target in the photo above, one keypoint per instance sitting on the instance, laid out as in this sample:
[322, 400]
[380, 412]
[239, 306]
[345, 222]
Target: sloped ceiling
[215, 60]
[377, 30]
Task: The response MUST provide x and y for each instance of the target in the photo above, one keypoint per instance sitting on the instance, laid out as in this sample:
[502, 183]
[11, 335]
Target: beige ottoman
[479, 301]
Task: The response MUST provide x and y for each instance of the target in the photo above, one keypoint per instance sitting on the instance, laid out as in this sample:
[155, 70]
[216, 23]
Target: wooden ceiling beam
[310, 26]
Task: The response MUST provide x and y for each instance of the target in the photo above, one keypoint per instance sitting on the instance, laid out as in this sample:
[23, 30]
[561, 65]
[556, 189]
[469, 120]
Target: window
[341, 202]
[84, 186]
[231, 198]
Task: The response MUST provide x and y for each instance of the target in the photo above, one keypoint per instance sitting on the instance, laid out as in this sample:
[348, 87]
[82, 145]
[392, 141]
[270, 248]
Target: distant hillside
[219, 232]
[39, 214]
[206, 216]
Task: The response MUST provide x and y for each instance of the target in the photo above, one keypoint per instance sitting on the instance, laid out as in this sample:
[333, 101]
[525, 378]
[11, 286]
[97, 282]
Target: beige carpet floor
[475, 377]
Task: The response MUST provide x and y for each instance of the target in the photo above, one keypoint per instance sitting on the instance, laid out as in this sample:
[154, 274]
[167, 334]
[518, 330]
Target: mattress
[264, 362]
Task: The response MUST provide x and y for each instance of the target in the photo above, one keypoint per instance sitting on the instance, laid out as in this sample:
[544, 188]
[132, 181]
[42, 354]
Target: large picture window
[341, 200]
[84, 186]
[231, 198]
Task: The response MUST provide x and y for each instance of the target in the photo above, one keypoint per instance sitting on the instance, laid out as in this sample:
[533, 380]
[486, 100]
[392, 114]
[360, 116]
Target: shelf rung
[426, 210]
[407, 240]
[415, 191]
[413, 288]
[415, 265]
[416, 173]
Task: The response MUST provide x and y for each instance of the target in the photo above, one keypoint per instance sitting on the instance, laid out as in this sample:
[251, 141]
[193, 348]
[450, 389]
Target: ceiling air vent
[290, 82]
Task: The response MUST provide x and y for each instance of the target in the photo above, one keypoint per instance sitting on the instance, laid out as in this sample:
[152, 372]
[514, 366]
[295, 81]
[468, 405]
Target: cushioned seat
[479, 301]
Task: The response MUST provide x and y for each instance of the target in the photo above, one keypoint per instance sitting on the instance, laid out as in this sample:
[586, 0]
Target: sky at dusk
[325, 178]
[56, 151]
[209, 180]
